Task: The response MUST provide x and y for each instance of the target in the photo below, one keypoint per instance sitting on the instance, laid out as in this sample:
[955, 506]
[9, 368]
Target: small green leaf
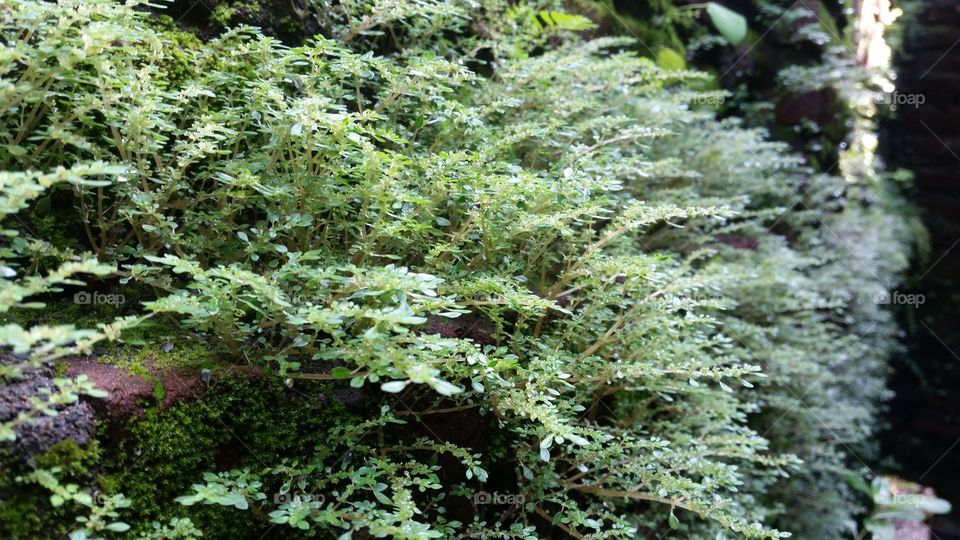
[446, 388]
[394, 386]
[731, 24]
[668, 58]
[42, 207]
[97, 393]
[576, 439]
[382, 498]
[16, 150]
[674, 522]
[559, 20]
[118, 526]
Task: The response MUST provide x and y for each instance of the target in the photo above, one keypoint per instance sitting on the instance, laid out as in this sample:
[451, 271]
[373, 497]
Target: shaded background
[925, 414]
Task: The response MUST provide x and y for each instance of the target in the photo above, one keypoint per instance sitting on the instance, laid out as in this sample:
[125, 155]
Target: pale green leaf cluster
[668, 327]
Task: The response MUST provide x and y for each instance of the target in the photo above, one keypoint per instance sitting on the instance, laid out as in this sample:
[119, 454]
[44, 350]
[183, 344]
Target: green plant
[101, 513]
[39, 345]
[732, 25]
[648, 307]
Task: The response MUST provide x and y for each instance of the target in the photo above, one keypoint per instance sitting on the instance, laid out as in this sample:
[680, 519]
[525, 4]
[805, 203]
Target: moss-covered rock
[25, 511]
[242, 421]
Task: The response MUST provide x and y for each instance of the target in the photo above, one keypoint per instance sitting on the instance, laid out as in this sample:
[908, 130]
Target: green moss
[60, 368]
[290, 25]
[25, 511]
[241, 422]
[68, 309]
[179, 64]
[142, 348]
[20, 510]
[184, 354]
[222, 14]
[74, 461]
[18, 516]
[56, 222]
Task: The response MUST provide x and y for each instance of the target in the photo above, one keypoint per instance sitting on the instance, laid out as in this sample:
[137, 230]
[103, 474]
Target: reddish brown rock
[739, 242]
[131, 393]
[127, 392]
[463, 327]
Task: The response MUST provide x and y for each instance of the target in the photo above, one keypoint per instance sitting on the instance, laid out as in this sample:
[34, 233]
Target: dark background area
[924, 420]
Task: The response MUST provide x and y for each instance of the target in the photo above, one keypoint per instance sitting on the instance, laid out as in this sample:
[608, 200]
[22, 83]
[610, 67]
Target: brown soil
[463, 327]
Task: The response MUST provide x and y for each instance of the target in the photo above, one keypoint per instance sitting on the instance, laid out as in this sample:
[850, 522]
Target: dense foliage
[668, 321]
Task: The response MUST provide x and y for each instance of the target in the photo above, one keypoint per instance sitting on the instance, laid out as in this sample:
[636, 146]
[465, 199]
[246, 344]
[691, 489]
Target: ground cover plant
[568, 299]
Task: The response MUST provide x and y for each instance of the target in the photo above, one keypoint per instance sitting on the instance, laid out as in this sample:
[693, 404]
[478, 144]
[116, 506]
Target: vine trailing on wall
[662, 309]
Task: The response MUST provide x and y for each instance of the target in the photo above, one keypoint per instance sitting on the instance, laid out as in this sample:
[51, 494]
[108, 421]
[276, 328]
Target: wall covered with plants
[447, 269]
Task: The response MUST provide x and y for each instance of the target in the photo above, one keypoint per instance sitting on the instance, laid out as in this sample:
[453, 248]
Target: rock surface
[74, 422]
